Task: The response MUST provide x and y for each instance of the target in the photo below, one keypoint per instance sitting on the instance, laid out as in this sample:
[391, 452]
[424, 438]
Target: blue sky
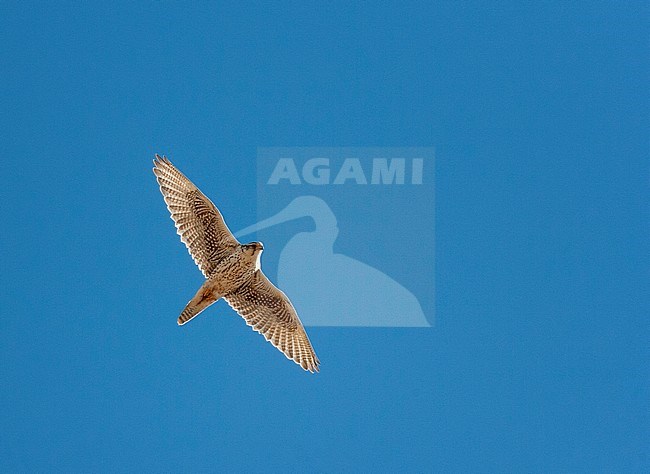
[539, 117]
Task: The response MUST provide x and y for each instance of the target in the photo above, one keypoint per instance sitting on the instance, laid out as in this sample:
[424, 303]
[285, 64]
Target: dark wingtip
[158, 161]
[311, 367]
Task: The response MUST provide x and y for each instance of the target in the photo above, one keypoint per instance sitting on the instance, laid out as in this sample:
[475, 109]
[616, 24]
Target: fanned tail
[203, 298]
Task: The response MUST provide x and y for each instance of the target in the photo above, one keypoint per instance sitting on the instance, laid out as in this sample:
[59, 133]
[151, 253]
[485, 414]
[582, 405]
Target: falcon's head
[254, 249]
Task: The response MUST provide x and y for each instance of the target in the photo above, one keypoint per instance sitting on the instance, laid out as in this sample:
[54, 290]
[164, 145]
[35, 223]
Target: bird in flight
[232, 270]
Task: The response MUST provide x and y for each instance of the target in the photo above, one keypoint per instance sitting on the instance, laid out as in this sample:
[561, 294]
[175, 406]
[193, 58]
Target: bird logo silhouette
[356, 293]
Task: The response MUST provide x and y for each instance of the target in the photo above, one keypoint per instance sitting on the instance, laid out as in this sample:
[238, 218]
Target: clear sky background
[539, 114]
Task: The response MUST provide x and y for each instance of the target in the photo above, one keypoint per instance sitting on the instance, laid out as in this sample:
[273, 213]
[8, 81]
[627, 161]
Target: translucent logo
[349, 233]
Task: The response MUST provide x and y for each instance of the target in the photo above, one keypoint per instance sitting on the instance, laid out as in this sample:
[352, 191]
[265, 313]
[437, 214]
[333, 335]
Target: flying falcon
[232, 270]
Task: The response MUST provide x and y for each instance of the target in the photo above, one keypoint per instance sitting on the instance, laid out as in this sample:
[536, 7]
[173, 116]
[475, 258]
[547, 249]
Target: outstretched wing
[268, 311]
[198, 221]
